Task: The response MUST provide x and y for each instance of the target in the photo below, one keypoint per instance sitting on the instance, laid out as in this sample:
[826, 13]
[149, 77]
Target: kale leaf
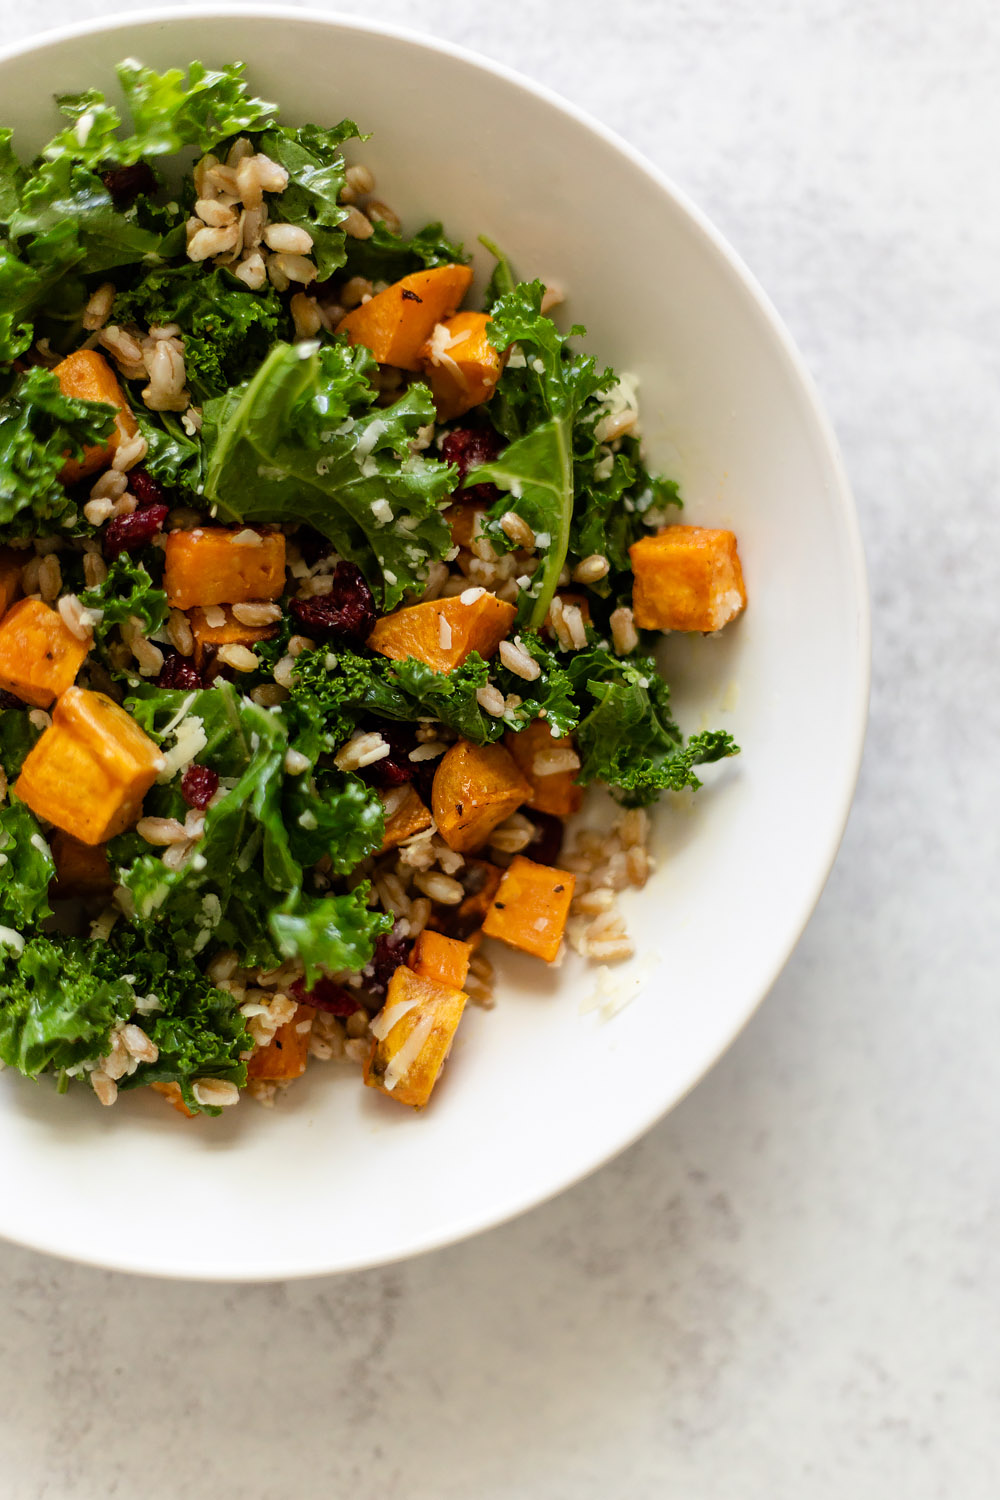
[39, 429]
[628, 737]
[18, 735]
[27, 868]
[247, 867]
[385, 256]
[302, 443]
[543, 407]
[127, 593]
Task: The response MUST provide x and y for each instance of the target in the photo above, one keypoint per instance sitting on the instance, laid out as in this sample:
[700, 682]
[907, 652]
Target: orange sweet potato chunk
[530, 908]
[394, 324]
[442, 632]
[461, 365]
[409, 817]
[417, 1026]
[88, 376]
[287, 1053]
[555, 792]
[82, 870]
[213, 565]
[463, 517]
[208, 638]
[475, 788]
[172, 1093]
[443, 959]
[91, 768]
[10, 577]
[687, 578]
[39, 654]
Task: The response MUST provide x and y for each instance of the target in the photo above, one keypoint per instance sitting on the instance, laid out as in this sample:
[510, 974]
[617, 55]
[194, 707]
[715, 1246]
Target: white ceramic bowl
[536, 1093]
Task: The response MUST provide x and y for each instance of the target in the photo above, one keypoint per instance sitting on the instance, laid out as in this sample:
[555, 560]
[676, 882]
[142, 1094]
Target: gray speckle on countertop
[791, 1286]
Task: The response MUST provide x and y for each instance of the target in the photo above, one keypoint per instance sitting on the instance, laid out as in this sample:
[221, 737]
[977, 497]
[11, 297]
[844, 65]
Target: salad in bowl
[328, 586]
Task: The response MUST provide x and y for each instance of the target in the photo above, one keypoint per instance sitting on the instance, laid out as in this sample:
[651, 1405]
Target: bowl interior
[540, 1090]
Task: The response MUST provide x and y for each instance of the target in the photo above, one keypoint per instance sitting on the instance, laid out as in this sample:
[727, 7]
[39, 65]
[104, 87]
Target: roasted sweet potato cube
[212, 565]
[463, 517]
[530, 909]
[441, 958]
[82, 870]
[408, 816]
[394, 324]
[39, 654]
[11, 563]
[442, 632]
[287, 1053]
[462, 365]
[475, 788]
[208, 637]
[91, 769]
[413, 1035]
[551, 791]
[88, 376]
[481, 880]
[687, 578]
[172, 1093]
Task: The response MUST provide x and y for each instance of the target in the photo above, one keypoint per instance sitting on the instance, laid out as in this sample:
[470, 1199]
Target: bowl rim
[456, 1228]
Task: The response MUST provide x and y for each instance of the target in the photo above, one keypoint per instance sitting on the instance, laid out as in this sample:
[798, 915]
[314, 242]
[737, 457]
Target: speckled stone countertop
[791, 1287]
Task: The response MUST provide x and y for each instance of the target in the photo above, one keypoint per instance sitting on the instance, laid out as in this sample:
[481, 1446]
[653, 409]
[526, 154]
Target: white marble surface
[790, 1287]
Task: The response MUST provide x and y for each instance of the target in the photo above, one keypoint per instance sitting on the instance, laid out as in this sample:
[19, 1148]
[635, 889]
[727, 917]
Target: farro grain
[356, 1025]
[356, 225]
[104, 1087]
[592, 903]
[428, 751]
[240, 658]
[252, 271]
[611, 948]
[305, 316]
[517, 528]
[490, 699]
[517, 660]
[269, 695]
[272, 177]
[637, 866]
[76, 619]
[98, 308]
[212, 240]
[29, 574]
[127, 455]
[293, 267]
[354, 290]
[360, 179]
[139, 1045]
[357, 1051]
[161, 831]
[296, 762]
[420, 911]
[591, 568]
[552, 762]
[624, 636]
[50, 578]
[214, 213]
[276, 275]
[217, 1092]
[240, 148]
[382, 213]
[111, 485]
[284, 672]
[223, 965]
[441, 888]
[180, 633]
[288, 238]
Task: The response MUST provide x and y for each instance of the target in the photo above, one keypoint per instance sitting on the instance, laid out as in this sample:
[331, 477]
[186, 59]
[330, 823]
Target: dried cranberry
[326, 995]
[199, 785]
[7, 700]
[347, 611]
[547, 842]
[396, 767]
[312, 544]
[129, 533]
[146, 489]
[468, 447]
[391, 950]
[126, 183]
[179, 672]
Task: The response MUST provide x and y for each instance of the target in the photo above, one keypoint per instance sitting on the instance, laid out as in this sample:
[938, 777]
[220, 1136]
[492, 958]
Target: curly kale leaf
[302, 443]
[27, 867]
[385, 256]
[39, 429]
[127, 593]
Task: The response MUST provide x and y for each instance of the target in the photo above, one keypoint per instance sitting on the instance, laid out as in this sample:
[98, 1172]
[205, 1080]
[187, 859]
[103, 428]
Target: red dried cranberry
[391, 950]
[199, 785]
[179, 672]
[325, 995]
[129, 533]
[468, 447]
[126, 183]
[396, 767]
[146, 489]
[346, 612]
[547, 842]
[7, 700]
